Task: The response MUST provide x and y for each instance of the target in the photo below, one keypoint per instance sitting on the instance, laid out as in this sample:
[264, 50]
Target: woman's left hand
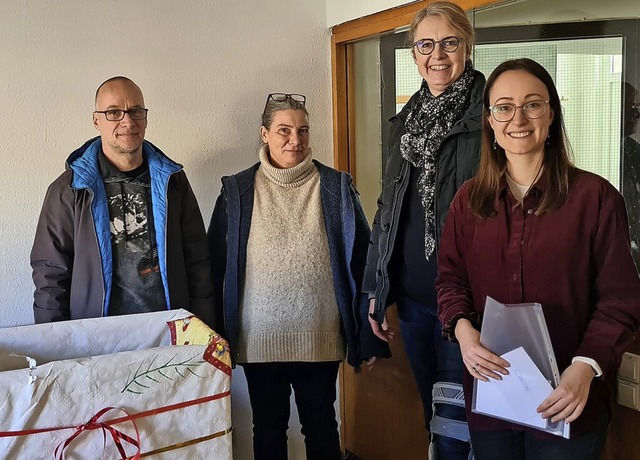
[568, 400]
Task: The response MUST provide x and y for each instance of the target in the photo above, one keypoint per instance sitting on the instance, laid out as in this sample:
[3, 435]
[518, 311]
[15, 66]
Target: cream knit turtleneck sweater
[288, 310]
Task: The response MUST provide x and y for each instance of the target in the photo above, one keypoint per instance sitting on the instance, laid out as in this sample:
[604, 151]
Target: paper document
[507, 328]
[517, 396]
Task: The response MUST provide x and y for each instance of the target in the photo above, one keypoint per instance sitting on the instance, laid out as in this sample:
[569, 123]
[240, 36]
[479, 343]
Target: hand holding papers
[517, 396]
[518, 333]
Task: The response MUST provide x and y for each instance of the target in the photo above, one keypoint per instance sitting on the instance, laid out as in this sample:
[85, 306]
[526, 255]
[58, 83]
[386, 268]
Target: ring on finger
[474, 368]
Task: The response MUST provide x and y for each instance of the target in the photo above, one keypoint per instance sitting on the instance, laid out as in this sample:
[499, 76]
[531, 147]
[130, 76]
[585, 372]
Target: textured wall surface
[205, 68]
[339, 11]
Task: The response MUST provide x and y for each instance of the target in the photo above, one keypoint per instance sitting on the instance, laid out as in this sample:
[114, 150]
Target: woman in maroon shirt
[531, 227]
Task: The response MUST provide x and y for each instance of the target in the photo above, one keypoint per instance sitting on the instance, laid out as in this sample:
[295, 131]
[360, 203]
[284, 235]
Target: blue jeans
[314, 386]
[432, 359]
[520, 445]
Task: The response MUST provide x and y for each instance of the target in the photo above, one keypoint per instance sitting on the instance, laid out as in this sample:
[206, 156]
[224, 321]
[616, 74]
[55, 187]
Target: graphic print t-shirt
[136, 283]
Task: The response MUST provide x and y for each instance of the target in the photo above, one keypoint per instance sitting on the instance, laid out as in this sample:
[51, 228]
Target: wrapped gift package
[152, 385]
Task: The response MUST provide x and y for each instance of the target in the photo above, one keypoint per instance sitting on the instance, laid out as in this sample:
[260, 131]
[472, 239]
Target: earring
[548, 141]
[495, 144]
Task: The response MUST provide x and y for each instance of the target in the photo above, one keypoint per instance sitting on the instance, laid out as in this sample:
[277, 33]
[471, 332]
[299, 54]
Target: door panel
[382, 408]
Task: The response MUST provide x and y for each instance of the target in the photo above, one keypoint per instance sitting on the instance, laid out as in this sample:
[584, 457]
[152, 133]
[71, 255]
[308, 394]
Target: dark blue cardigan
[348, 236]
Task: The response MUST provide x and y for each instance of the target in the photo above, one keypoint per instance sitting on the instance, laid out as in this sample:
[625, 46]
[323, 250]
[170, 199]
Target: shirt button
[521, 241]
[515, 277]
[529, 211]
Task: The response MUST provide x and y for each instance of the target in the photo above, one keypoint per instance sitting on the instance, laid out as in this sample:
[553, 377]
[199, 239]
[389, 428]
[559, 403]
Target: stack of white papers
[517, 396]
[518, 333]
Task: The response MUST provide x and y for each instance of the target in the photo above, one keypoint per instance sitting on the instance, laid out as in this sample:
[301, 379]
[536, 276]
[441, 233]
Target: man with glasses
[120, 230]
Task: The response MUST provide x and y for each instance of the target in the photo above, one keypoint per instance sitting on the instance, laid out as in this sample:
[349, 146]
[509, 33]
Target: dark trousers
[521, 445]
[432, 359]
[314, 386]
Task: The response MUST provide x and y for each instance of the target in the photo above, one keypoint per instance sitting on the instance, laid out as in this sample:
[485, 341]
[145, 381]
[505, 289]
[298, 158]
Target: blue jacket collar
[86, 170]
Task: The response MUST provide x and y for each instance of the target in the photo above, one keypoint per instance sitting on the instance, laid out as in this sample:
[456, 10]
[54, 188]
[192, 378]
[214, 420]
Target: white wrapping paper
[56, 377]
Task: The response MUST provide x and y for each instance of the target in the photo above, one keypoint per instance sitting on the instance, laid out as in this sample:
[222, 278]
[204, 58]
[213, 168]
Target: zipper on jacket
[95, 234]
[164, 224]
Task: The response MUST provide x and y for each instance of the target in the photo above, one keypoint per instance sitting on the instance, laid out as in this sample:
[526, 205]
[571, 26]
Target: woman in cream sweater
[289, 242]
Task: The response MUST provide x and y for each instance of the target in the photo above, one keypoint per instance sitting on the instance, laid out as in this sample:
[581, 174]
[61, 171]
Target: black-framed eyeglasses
[118, 115]
[282, 97]
[532, 110]
[427, 45]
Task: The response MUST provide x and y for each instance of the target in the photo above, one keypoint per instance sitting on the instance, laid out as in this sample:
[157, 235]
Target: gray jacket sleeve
[53, 253]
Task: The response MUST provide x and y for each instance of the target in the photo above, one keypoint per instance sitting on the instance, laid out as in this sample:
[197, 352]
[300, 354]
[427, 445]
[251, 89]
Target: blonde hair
[452, 14]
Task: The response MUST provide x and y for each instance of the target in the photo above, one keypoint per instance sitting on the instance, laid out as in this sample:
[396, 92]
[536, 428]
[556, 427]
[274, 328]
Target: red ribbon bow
[117, 435]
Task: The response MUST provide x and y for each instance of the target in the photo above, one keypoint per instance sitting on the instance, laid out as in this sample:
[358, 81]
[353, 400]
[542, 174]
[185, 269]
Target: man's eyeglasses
[282, 97]
[118, 115]
[532, 110]
[427, 45]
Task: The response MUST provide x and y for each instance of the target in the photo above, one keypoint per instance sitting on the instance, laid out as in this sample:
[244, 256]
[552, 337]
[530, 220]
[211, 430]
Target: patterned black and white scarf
[427, 124]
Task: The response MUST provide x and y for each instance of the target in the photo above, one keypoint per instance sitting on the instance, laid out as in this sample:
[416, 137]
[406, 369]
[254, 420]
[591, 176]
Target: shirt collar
[537, 189]
[541, 184]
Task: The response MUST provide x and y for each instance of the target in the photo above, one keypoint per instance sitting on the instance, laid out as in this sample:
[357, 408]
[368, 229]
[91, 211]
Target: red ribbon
[107, 427]
[160, 410]
[117, 435]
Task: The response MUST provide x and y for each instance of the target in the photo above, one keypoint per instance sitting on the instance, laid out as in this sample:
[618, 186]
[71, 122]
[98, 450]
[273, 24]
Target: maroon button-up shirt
[575, 261]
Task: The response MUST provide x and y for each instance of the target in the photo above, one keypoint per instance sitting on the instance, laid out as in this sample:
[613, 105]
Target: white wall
[205, 67]
[339, 11]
